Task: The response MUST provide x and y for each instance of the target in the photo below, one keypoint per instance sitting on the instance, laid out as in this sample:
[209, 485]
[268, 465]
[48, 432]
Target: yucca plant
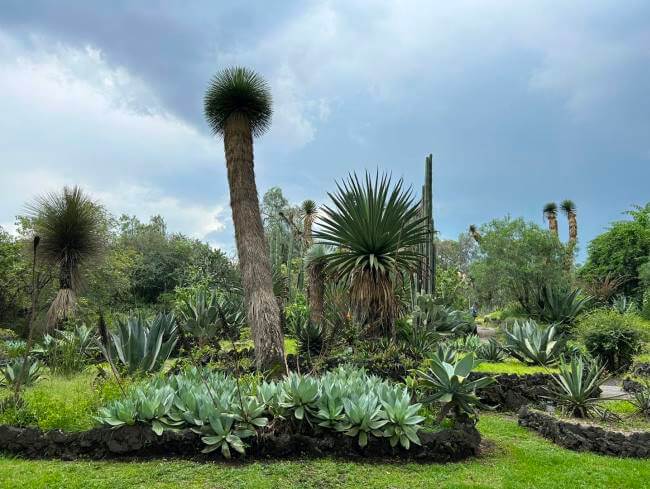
[492, 351]
[550, 213]
[533, 344]
[238, 107]
[142, 345]
[13, 371]
[448, 385]
[376, 228]
[576, 388]
[71, 230]
[560, 306]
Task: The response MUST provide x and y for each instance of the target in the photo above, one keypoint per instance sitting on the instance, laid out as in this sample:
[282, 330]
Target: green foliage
[560, 306]
[624, 305]
[448, 384]
[439, 319]
[68, 351]
[207, 315]
[10, 373]
[515, 259]
[467, 344]
[576, 387]
[535, 344]
[242, 92]
[452, 288]
[142, 345]
[613, 337]
[492, 351]
[376, 228]
[309, 335]
[641, 400]
[226, 411]
[621, 251]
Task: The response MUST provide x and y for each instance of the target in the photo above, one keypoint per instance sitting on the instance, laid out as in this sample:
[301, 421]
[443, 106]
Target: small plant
[449, 385]
[537, 345]
[576, 387]
[221, 433]
[641, 400]
[364, 418]
[492, 351]
[624, 305]
[615, 347]
[10, 373]
[429, 316]
[299, 394]
[468, 344]
[199, 316]
[143, 345]
[446, 353]
[402, 420]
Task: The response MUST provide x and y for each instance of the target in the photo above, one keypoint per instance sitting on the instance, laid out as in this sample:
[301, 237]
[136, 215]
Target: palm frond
[568, 207]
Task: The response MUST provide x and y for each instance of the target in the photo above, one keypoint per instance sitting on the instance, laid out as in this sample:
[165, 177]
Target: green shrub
[613, 337]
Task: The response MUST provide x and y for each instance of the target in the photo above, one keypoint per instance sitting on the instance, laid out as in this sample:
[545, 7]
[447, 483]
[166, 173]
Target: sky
[520, 103]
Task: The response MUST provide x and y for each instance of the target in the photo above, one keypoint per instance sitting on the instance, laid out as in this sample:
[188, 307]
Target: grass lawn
[512, 366]
[516, 459]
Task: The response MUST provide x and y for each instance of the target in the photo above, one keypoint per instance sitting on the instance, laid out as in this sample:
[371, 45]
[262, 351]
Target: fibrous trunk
[64, 303]
[552, 225]
[316, 293]
[254, 261]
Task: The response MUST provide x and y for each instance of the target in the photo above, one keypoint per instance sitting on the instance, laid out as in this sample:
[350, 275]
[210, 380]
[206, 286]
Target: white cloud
[68, 117]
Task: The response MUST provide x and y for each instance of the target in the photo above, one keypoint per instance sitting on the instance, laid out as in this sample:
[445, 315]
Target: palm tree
[70, 226]
[376, 228]
[550, 212]
[309, 211]
[569, 210]
[474, 232]
[316, 261]
[238, 108]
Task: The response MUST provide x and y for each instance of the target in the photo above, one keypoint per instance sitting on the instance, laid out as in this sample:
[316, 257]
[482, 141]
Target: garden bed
[510, 392]
[584, 437]
[140, 442]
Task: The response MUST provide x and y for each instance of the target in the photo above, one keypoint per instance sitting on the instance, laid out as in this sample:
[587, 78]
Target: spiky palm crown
[239, 91]
[568, 207]
[309, 207]
[375, 226]
[70, 226]
[472, 228]
[550, 209]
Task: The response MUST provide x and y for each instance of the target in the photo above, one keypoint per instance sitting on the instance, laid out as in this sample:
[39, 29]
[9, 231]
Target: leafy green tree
[516, 259]
[621, 251]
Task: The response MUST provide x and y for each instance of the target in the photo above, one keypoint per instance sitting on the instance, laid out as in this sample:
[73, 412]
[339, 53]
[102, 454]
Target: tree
[316, 261]
[550, 213]
[516, 259]
[621, 251]
[238, 108]
[71, 227]
[569, 209]
[376, 227]
[309, 211]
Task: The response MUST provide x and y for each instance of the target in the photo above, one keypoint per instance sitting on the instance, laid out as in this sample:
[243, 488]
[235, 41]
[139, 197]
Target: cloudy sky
[519, 102]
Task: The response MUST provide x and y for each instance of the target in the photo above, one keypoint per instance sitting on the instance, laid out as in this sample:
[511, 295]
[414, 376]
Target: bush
[613, 337]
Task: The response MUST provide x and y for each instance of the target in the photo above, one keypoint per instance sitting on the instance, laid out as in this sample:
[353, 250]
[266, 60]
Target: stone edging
[579, 437]
[139, 441]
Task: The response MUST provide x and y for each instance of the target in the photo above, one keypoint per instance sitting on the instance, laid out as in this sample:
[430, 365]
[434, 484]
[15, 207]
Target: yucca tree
[70, 226]
[550, 213]
[238, 108]
[376, 229]
[309, 210]
[315, 262]
[475, 233]
[569, 210]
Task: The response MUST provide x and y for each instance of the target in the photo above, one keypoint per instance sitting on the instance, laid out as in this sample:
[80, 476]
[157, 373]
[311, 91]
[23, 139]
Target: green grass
[512, 366]
[516, 458]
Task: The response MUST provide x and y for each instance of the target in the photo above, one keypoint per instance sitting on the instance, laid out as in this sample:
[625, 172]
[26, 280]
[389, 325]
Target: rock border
[140, 442]
[586, 438]
[510, 392]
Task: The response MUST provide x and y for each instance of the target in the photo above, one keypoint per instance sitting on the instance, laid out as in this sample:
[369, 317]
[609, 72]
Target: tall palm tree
[70, 226]
[376, 227]
[475, 233]
[316, 261]
[550, 213]
[569, 210]
[309, 214]
[238, 108]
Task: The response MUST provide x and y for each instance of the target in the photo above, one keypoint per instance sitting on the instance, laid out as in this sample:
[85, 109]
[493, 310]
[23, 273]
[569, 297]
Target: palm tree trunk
[573, 227]
[552, 225]
[254, 261]
[316, 293]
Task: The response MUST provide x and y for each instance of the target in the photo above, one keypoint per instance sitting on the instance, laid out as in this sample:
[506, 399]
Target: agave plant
[402, 420]
[142, 345]
[491, 351]
[364, 418]
[537, 345]
[376, 228]
[624, 305]
[10, 373]
[446, 353]
[70, 226]
[309, 336]
[641, 400]
[299, 394]
[449, 385]
[576, 387]
[440, 319]
[199, 316]
[467, 344]
[560, 306]
[221, 432]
